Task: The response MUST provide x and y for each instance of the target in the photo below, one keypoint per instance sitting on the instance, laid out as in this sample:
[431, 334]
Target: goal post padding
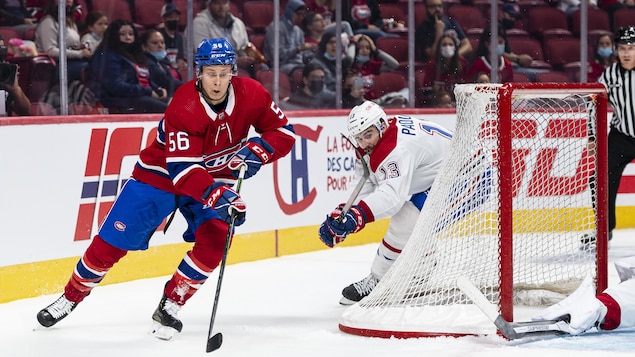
[524, 180]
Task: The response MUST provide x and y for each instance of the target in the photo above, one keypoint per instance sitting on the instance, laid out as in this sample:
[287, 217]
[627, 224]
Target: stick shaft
[230, 232]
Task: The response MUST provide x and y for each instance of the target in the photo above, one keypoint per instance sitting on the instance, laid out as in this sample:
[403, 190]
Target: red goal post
[525, 180]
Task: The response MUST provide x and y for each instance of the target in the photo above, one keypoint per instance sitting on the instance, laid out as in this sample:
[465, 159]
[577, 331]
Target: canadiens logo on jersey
[120, 226]
[218, 160]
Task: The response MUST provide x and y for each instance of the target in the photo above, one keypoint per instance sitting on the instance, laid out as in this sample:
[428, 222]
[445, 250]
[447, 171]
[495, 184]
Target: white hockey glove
[583, 308]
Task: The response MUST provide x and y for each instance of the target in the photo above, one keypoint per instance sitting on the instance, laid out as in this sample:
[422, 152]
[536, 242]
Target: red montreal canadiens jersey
[194, 144]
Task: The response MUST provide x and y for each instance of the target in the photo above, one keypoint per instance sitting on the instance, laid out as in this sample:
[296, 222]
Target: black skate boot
[359, 290]
[587, 242]
[55, 312]
[166, 323]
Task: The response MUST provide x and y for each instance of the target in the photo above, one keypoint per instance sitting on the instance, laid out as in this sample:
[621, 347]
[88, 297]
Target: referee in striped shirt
[619, 80]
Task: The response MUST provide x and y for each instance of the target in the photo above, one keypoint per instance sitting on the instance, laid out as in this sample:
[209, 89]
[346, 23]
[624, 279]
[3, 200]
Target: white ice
[284, 306]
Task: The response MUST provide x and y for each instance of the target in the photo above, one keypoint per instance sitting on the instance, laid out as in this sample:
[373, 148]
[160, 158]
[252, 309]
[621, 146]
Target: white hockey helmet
[364, 116]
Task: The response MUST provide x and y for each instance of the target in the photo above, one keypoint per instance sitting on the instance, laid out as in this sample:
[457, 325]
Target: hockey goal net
[524, 181]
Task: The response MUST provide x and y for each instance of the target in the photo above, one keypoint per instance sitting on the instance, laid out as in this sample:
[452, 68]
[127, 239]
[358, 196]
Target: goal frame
[505, 196]
[505, 218]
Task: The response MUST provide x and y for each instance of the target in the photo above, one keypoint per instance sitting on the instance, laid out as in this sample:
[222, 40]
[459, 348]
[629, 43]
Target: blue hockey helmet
[215, 52]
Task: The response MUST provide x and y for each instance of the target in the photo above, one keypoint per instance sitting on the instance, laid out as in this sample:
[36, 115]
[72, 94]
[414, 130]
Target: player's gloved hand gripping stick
[346, 218]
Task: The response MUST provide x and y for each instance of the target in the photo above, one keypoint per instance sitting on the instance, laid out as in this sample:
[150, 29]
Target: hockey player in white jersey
[404, 155]
[612, 309]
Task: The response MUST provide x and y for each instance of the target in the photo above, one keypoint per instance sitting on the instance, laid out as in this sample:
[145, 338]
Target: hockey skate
[165, 322]
[55, 312]
[587, 242]
[359, 290]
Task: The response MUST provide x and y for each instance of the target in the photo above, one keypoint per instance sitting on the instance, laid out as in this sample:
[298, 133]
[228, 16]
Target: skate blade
[161, 332]
[346, 302]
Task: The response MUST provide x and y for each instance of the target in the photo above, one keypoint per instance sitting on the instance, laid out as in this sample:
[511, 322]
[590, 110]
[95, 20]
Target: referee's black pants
[621, 151]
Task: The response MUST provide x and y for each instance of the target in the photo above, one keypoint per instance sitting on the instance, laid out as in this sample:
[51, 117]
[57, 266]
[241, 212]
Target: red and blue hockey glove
[333, 232]
[227, 202]
[255, 153]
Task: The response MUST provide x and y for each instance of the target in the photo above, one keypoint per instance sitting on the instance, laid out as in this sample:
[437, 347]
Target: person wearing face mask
[47, 34]
[161, 71]
[352, 90]
[96, 22]
[173, 39]
[312, 94]
[370, 61]
[444, 72]
[604, 56]
[326, 56]
[482, 61]
[119, 75]
[521, 62]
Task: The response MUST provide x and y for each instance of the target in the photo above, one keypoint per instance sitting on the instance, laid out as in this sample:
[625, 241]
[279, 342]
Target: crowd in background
[116, 65]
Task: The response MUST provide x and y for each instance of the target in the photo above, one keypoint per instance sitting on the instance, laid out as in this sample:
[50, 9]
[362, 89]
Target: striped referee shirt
[620, 85]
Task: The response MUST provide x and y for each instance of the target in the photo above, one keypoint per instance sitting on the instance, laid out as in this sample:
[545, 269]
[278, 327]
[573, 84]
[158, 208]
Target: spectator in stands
[509, 14]
[446, 70]
[14, 14]
[216, 21]
[119, 74]
[431, 29]
[326, 55]
[604, 56]
[97, 23]
[481, 77]
[313, 26]
[313, 93]
[326, 8]
[521, 62]
[569, 6]
[369, 61]
[46, 39]
[610, 6]
[352, 90]
[482, 63]
[173, 39]
[293, 50]
[364, 16]
[16, 102]
[161, 71]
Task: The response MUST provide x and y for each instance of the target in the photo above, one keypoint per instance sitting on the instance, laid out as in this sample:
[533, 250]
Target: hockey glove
[255, 153]
[583, 308]
[333, 232]
[227, 202]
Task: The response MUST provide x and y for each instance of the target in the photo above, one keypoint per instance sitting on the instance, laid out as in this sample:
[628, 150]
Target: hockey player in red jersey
[201, 143]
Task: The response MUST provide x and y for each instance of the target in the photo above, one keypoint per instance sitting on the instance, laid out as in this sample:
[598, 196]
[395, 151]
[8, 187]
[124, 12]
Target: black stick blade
[214, 342]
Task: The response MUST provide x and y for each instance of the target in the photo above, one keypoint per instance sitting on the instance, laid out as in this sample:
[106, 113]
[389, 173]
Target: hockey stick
[214, 342]
[511, 330]
[360, 184]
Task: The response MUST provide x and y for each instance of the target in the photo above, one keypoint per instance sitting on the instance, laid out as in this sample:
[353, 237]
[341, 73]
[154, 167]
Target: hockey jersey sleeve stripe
[177, 172]
[282, 140]
[158, 169]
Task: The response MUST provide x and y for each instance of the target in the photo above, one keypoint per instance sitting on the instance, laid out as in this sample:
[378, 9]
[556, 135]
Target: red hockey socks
[91, 268]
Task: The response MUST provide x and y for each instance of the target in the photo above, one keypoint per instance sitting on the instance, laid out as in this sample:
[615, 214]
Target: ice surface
[278, 307]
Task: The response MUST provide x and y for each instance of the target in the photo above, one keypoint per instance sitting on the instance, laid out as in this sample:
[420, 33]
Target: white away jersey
[404, 162]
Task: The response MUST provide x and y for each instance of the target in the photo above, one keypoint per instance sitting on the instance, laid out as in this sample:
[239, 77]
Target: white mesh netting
[459, 229]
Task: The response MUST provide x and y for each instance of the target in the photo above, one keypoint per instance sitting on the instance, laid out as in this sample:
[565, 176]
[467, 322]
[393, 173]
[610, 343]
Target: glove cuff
[368, 214]
[611, 316]
[260, 148]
